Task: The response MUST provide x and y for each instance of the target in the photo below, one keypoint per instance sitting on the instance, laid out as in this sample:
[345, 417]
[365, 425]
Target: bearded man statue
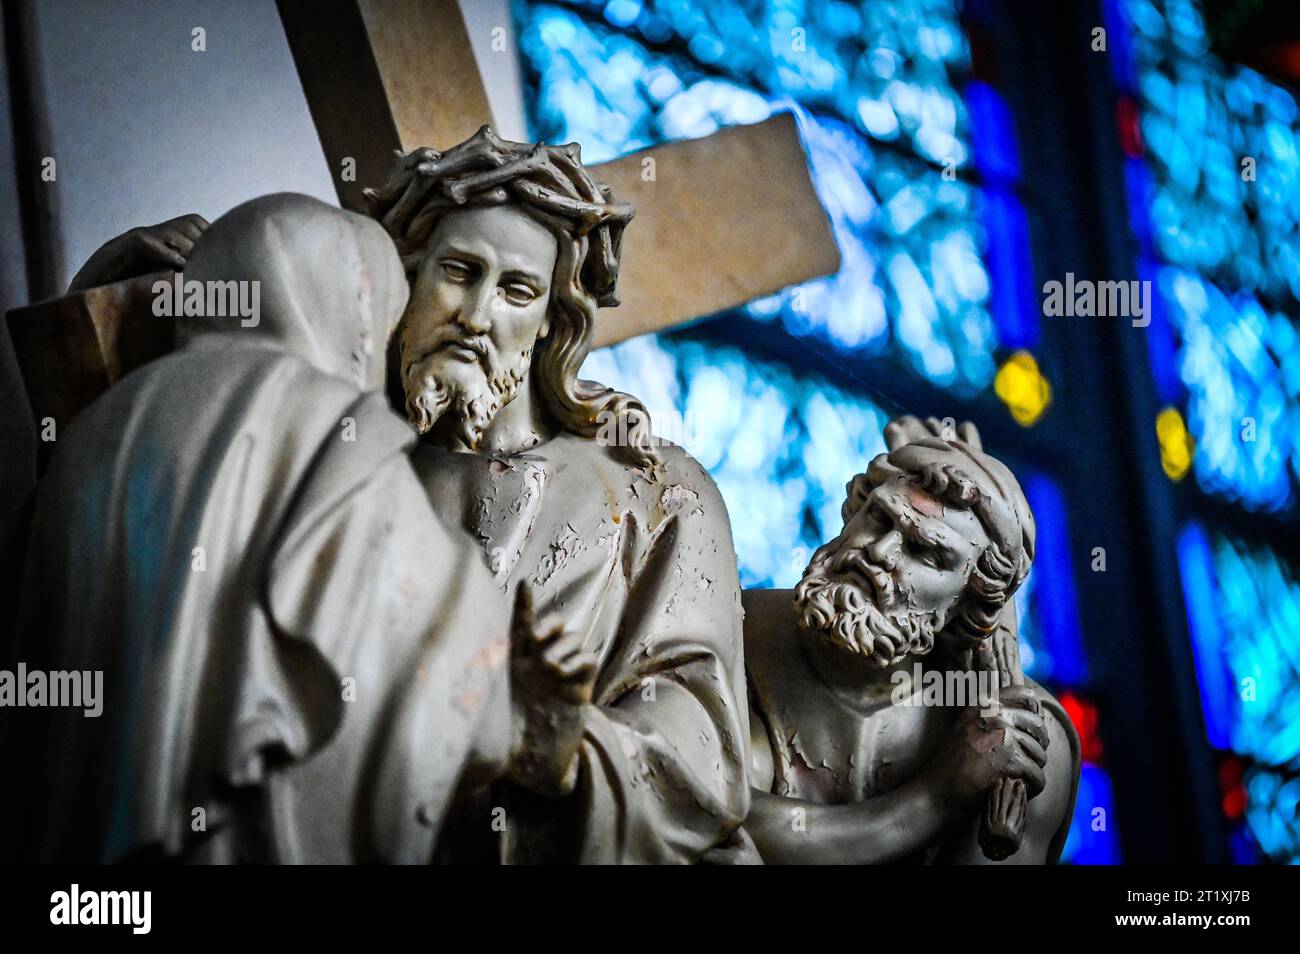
[510, 249]
[873, 741]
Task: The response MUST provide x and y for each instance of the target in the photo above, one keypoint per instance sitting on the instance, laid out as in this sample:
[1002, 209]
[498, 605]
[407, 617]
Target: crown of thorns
[487, 170]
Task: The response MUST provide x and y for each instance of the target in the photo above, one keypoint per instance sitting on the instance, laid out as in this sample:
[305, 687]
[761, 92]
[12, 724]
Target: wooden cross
[726, 219]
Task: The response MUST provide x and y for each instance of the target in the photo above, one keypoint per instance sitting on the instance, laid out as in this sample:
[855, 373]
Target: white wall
[502, 76]
[144, 128]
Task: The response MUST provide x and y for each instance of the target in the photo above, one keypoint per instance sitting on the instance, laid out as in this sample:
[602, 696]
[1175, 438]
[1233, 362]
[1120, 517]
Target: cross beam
[723, 220]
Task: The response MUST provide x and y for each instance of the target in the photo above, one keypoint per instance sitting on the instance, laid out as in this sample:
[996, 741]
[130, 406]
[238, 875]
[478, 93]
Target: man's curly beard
[472, 394]
[850, 617]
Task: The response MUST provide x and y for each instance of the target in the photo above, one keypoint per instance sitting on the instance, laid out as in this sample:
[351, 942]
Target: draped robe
[640, 561]
[300, 661]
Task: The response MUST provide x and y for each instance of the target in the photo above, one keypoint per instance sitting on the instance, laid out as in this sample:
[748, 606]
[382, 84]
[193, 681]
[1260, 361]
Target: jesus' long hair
[549, 184]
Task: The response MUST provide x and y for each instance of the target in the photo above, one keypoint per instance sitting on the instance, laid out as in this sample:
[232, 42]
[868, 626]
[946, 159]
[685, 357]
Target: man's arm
[795, 831]
[947, 792]
[878, 831]
[140, 251]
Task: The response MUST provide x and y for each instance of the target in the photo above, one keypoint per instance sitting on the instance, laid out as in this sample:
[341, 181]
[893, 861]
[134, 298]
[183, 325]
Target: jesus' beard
[471, 395]
[850, 618]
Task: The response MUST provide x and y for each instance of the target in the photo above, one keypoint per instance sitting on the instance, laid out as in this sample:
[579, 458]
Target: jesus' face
[892, 579]
[477, 310]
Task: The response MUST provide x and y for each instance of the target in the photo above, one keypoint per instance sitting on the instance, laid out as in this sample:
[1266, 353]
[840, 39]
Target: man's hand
[551, 681]
[150, 248]
[908, 429]
[981, 749]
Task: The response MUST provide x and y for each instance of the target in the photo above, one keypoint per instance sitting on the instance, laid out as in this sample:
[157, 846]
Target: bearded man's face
[889, 583]
[477, 310]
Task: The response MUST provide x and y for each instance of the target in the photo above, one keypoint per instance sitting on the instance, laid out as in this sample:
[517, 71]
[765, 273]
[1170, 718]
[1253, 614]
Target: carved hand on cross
[150, 248]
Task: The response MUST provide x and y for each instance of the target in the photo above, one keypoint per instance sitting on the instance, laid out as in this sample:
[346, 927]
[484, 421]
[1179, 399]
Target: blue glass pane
[1216, 198]
[1120, 46]
[1237, 222]
[616, 77]
[1241, 367]
[996, 155]
[1162, 343]
[1244, 850]
[1051, 645]
[1244, 615]
[886, 67]
[1273, 815]
[1218, 705]
[1015, 308]
[1093, 838]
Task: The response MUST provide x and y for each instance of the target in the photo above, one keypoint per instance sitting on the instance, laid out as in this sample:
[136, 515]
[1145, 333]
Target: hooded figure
[299, 661]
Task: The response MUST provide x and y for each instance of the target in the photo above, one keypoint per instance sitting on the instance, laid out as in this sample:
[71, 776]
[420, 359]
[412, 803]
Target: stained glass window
[1241, 368]
[1243, 606]
[1051, 643]
[1093, 839]
[1213, 177]
[885, 127]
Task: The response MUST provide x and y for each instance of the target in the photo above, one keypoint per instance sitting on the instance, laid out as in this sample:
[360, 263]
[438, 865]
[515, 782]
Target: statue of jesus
[510, 250]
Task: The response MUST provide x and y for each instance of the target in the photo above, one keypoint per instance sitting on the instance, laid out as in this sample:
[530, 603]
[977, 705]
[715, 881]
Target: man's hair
[549, 184]
[1005, 516]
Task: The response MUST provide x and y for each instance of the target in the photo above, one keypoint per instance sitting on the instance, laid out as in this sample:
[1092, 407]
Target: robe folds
[300, 661]
[641, 563]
